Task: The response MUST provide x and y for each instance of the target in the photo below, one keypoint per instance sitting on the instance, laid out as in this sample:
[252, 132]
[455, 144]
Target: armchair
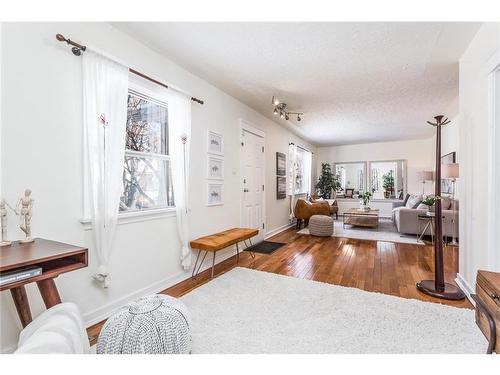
[334, 208]
[305, 209]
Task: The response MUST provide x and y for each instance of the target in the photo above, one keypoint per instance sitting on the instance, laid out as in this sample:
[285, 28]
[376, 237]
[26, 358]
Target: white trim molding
[136, 216]
[275, 231]
[466, 287]
[493, 66]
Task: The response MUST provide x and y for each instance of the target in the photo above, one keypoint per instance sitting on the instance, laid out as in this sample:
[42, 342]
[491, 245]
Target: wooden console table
[54, 258]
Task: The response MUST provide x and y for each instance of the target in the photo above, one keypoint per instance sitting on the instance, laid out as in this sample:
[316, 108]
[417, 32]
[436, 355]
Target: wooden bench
[219, 241]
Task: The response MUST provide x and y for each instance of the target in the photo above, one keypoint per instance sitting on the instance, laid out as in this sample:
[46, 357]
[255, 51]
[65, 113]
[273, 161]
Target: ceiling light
[282, 109]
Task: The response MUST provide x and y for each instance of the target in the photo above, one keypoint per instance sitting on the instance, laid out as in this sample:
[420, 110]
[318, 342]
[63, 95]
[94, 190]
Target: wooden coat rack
[438, 287]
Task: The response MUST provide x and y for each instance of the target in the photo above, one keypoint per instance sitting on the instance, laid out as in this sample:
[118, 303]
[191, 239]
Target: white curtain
[105, 91]
[179, 122]
[292, 175]
[307, 174]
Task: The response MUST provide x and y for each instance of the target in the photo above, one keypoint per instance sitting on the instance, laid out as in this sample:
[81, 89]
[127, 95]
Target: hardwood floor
[372, 266]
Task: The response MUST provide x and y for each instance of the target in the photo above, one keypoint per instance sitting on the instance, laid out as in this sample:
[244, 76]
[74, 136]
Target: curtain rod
[78, 49]
[303, 148]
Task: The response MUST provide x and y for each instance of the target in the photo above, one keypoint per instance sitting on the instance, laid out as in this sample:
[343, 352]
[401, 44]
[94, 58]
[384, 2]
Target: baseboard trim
[278, 230]
[102, 313]
[466, 287]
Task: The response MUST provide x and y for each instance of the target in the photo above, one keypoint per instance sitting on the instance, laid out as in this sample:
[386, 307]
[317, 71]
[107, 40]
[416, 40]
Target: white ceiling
[355, 82]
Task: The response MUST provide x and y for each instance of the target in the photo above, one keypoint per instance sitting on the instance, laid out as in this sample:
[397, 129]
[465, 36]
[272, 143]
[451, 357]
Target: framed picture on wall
[280, 164]
[446, 184]
[215, 143]
[215, 194]
[449, 158]
[280, 187]
[215, 168]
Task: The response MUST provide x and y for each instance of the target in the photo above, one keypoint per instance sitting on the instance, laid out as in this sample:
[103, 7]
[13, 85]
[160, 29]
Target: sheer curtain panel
[105, 91]
[179, 120]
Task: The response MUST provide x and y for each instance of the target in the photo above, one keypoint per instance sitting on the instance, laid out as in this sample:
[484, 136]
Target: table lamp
[425, 176]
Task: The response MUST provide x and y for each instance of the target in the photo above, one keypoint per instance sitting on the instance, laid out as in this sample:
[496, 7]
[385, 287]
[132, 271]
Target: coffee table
[361, 218]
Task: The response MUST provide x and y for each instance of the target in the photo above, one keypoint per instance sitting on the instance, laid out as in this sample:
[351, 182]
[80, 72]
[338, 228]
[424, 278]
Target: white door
[252, 182]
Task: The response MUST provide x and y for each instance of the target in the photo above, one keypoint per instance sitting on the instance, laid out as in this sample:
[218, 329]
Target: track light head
[275, 111]
[298, 118]
[287, 117]
[275, 101]
[282, 115]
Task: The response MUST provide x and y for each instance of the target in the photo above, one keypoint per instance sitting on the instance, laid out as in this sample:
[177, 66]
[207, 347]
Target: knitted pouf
[156, 324]
[321, 226]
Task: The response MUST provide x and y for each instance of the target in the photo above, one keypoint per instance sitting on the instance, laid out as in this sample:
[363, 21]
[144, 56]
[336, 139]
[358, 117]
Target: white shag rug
[248, 311]
[386, 231]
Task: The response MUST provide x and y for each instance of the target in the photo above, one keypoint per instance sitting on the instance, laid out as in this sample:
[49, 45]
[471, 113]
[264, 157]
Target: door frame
[493, 71]
[252, 128]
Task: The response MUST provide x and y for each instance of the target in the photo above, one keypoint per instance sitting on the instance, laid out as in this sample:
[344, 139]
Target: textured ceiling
[355, 82]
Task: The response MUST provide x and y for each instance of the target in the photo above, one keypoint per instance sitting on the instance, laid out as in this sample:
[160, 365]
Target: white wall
[474, 137]
[42, 149]
[418, 153]
[450, 142]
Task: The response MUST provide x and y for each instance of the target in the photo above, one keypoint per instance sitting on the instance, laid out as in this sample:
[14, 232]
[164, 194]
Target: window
[351, 176]
[299, 170]
[388, 179]
[147, 180]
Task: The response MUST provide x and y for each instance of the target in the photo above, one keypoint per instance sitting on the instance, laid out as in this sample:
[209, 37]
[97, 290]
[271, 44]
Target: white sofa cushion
[58, 330]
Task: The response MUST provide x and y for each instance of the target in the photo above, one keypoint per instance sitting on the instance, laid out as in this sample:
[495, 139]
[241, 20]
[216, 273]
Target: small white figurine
[24, 209]
[3, 222]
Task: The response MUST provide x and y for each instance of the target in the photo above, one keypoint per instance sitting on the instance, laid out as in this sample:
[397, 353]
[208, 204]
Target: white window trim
[155, 93]
[137, 216]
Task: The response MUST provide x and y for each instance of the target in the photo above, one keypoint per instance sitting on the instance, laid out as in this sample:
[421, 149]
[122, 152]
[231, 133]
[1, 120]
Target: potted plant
[388, 184]
[365, 199]
[429, 202]
[327, 182]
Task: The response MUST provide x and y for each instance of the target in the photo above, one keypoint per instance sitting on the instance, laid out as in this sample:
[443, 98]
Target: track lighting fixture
[280, 108]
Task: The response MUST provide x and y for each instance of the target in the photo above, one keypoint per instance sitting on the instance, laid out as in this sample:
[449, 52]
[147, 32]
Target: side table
[54, 258]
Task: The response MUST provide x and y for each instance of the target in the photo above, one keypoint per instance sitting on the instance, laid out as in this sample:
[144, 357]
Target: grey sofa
[406, 219]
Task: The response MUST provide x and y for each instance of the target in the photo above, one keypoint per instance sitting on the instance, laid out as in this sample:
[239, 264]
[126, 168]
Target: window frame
[144, 93]
[404, 176]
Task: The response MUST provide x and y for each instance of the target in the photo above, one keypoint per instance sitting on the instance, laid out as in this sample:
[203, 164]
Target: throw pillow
[422, 206]
[445, 203]
[414, 201]
[406, 199]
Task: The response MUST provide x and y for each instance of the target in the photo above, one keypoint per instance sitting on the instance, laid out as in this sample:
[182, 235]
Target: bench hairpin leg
[251, 252]
[246, 247]
[237, 253]
[196, 262]
[201, 263]
[213, 265]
